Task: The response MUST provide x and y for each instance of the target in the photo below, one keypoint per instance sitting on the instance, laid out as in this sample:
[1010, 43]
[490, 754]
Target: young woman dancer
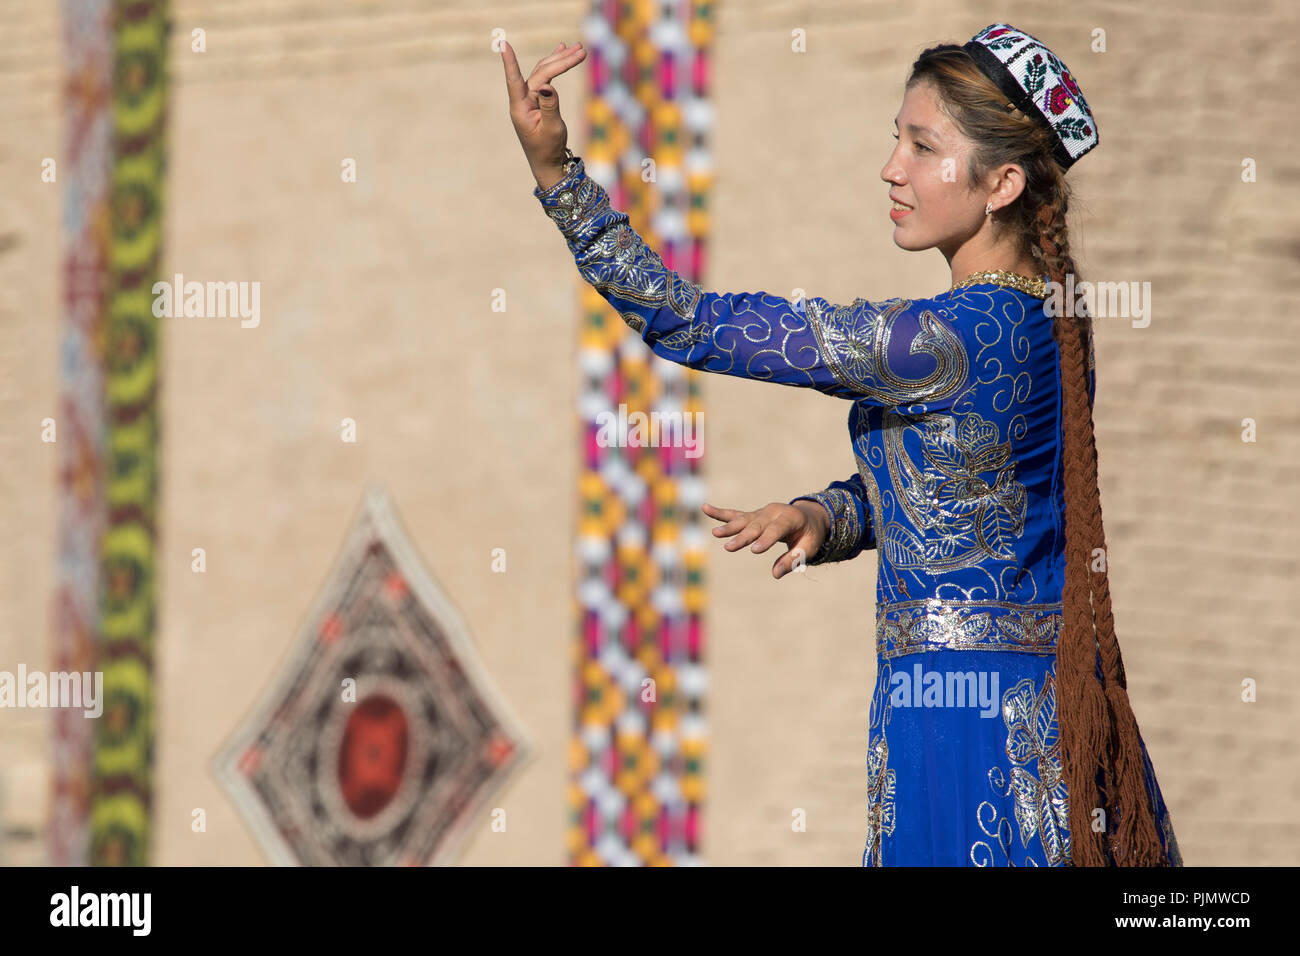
[971, 422]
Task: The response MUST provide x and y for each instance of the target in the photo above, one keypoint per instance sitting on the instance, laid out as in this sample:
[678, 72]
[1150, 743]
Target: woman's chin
[905, 242]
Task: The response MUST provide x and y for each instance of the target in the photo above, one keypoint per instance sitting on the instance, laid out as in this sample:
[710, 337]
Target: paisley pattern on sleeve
[855, 340]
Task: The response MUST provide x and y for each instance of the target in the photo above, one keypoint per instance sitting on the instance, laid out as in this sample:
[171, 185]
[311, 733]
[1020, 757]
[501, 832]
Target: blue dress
[955, 419]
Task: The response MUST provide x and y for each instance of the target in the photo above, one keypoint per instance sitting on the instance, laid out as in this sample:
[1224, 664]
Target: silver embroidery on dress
[906, 627]
[881, 780]
[959, 516]
[1037, 782]
[854, 342]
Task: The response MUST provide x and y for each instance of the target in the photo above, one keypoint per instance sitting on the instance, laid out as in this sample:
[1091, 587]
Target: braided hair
[1100, 748]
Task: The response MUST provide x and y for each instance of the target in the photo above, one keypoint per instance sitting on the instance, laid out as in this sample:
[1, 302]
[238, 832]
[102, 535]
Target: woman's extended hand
[803, 528]
[535, 109]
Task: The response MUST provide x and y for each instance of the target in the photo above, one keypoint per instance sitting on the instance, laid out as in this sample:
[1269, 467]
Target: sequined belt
[908, 627]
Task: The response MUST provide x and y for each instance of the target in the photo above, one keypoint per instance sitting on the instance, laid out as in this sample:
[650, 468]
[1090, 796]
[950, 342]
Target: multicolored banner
[123, 762]
[84, 171]
[637, 754]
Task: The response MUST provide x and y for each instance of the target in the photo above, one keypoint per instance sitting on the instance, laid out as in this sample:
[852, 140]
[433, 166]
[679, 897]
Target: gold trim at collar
[1035, 287]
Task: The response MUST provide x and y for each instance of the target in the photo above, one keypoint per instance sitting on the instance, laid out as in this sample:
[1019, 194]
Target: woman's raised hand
[802, 529]
[535, 109]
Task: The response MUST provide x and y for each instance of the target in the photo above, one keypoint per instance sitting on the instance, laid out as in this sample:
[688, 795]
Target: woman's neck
[976, 256]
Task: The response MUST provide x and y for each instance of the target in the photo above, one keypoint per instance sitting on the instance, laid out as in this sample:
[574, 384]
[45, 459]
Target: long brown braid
[1098, 730]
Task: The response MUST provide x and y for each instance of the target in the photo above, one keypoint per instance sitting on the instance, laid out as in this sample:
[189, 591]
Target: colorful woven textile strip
[123, 763]
[88, 147]
[637, 758]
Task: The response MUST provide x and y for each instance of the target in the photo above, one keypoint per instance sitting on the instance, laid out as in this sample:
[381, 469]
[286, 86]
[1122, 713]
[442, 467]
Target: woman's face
[927, 172]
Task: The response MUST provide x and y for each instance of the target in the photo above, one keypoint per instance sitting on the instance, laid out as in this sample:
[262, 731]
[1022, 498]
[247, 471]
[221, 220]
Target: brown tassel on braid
[1098, 729]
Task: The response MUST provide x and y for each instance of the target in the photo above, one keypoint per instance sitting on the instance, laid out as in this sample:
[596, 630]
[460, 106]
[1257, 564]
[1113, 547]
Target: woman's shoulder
[959, 312]
[982, 295]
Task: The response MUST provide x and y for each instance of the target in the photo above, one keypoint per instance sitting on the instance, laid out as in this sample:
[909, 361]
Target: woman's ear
[1010, 183]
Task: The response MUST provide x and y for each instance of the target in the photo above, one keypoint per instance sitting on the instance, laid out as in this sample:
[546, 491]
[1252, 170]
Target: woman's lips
[897, 210]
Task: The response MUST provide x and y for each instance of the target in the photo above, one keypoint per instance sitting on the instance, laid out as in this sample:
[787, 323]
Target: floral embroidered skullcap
[1036, 80]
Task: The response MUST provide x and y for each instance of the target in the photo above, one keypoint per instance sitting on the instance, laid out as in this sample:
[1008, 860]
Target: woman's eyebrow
[914, 129]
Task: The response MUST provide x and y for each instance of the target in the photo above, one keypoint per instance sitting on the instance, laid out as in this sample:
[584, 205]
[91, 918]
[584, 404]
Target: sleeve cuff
[572, 201]
[842, 542]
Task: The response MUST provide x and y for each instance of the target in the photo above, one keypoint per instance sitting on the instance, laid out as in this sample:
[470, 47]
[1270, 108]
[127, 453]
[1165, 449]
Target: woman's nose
[891, 172]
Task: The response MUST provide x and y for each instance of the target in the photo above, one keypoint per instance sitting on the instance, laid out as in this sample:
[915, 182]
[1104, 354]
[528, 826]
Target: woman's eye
[918, 145]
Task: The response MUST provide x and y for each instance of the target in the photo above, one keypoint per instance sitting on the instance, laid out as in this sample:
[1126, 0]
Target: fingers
[560, 53]
[562, 58]
[763, 532]
[772, 532]
[552, 66]
[516, 85]
[748, 527]
[785, 564]
[736, 520]
[781, 566]
[747, 534]
[729, 515]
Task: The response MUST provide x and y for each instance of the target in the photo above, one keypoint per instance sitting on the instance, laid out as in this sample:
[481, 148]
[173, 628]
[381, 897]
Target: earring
[988, 209]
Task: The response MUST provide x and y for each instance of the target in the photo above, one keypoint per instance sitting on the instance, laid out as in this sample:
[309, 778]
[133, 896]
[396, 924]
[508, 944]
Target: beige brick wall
[376, 305]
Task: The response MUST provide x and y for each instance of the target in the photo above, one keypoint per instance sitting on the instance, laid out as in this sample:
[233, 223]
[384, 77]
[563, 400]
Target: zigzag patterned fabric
[123, 760]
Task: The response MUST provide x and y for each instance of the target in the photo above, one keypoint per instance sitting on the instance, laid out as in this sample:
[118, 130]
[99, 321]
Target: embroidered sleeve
[852, 531]
[892, 352]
